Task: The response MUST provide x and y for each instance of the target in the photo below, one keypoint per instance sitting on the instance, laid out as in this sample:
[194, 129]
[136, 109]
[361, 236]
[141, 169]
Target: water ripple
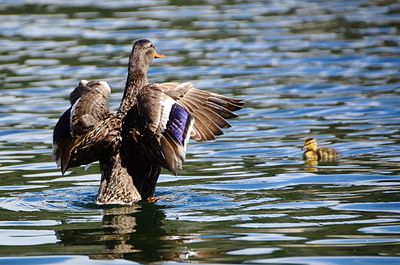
[320, 69]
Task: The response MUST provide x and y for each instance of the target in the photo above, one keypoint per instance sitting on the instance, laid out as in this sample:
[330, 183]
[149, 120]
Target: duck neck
[137, 78]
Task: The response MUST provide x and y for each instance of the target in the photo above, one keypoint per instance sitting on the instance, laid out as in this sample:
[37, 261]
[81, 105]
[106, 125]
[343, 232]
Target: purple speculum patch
[178, 122]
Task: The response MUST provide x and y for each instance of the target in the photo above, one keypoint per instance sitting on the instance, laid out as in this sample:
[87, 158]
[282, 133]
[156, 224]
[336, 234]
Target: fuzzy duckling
[312, 152]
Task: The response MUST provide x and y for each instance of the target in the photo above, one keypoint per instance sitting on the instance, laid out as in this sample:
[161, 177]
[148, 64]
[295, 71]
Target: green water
[327, 69]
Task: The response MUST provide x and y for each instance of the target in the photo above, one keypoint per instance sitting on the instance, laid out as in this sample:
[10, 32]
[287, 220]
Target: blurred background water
[329, 69]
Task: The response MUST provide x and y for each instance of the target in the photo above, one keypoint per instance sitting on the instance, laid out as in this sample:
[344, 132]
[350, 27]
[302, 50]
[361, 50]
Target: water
[329, 69]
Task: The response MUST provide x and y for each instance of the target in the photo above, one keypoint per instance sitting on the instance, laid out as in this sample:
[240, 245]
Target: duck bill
[158, 55]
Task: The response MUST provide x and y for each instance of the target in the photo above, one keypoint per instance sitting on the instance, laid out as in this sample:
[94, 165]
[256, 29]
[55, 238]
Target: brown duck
[313, 153]
[150, 130]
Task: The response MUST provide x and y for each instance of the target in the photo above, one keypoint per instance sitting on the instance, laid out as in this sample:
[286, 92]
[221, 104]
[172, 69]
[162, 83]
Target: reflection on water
[126, 232]
[324, 69]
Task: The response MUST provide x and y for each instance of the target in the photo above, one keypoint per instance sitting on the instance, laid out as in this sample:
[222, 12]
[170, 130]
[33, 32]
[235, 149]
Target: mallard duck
[313, 153]
[150, 130]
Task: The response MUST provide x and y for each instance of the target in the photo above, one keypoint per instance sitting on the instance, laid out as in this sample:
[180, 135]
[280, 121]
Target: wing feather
[209, 110]
[167, 114]
[86, 130]
[166, 122]
[170, 158]
[62, 141]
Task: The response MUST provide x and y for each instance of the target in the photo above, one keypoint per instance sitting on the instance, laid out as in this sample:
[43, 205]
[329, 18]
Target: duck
[313, 153]
[149, 131]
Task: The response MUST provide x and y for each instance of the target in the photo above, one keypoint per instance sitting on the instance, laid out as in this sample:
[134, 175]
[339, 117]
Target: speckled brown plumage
[82, 130]
[116, 186]
[150, 130]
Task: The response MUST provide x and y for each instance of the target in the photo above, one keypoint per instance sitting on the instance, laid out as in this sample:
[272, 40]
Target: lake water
[328, 69]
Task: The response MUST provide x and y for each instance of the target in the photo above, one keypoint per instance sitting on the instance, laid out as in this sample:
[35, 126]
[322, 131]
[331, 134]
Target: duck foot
[152, 199]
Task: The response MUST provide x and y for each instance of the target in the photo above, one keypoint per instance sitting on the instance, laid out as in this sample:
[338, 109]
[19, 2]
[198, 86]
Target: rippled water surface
[328, 69]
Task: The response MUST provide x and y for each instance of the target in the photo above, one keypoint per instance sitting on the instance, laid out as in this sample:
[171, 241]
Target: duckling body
[313, 153]
[150, 130]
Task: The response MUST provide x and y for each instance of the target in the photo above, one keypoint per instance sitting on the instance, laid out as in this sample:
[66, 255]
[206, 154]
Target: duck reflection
[311, 165]
[118, 226]
[131, 232]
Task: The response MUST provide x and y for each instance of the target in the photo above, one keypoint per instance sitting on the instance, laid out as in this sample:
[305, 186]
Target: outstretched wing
[87, 129]
[155, 133]
[209, 110]
[91, 107]
[62, 140]
[170, 114]
[164, 127]
[169, 124]
[156, 130]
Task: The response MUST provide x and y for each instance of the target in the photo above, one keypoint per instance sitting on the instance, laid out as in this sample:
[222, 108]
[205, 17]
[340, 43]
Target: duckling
[312, 152]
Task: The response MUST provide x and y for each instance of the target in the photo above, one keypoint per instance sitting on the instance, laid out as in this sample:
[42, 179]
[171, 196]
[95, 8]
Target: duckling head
[310, 144]
[142, 55]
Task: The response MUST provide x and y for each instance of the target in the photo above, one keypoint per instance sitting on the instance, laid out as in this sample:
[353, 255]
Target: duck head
[310, 144]
[142, 55]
